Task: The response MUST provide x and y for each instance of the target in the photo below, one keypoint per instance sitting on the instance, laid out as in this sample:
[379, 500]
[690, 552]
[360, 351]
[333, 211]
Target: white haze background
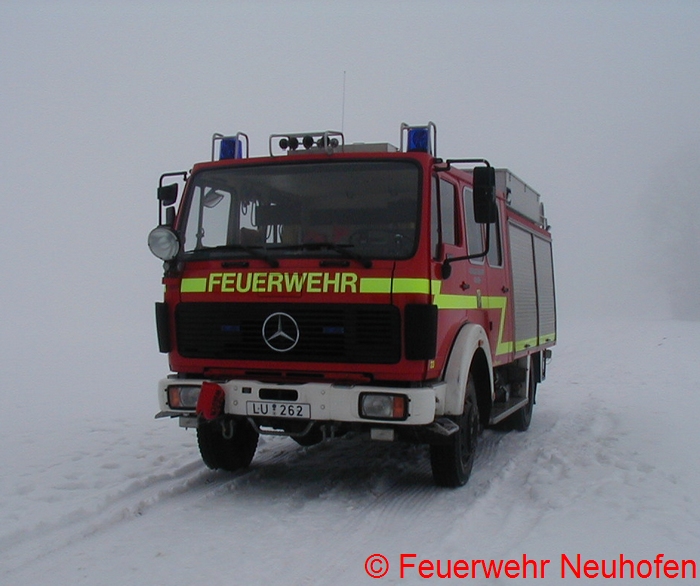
[595, 104]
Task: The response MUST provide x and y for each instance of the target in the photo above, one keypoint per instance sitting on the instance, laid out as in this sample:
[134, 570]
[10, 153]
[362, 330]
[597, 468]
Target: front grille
[326, 332]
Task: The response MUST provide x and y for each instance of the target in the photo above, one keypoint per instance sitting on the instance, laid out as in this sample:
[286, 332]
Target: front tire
[227, 444]
[452, 463]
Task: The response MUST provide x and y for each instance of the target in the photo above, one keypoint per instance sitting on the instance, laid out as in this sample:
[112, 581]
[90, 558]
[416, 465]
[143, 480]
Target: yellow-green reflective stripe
[446, 301]
[530, 342]
[494, 302]
[504, 348]
[375, 285]
[406, 285]
[523, 344]
[193, 285]
[455, 301]
[499, 303]
[398, 285]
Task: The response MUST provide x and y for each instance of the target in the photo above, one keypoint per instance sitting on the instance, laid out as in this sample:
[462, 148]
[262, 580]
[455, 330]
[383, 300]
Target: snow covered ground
[609, 467]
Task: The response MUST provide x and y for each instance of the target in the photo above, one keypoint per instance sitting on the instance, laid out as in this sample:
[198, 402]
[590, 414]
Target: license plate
[268, 409]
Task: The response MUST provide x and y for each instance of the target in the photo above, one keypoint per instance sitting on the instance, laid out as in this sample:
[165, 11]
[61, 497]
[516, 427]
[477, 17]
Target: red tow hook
[210, 404]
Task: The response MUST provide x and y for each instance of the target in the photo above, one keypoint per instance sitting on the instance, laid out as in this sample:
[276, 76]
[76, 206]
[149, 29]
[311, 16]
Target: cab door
[452, 292]
[488, 278]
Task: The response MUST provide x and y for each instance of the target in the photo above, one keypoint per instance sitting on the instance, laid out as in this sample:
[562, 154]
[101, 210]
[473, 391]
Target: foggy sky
[590, 103]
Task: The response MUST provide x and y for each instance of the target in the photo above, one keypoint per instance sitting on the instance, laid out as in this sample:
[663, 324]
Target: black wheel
[452, 463]
[227, 445]
[520, 420]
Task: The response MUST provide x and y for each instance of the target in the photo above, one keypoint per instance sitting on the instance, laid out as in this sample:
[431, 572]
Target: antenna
[342, 120]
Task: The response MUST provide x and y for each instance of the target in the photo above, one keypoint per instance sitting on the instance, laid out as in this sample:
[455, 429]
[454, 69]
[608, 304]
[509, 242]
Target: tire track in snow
[372, 479]
[534, 473]
[581, 464]
[129, 501]
[27, 545]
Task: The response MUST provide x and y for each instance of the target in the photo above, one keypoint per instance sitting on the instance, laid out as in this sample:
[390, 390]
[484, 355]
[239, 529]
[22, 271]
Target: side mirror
[484, 195]
[167, 194]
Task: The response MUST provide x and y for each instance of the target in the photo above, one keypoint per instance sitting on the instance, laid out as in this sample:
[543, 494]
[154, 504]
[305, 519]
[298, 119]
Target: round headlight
[189, 396]
[163, 243]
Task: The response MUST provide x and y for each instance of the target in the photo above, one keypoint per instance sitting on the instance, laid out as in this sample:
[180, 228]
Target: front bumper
[327, 402]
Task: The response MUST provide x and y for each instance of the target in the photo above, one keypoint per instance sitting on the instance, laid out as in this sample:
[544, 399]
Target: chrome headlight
[164, 243]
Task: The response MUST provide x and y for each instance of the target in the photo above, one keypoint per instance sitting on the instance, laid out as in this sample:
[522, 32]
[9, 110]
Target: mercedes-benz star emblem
[280, 332]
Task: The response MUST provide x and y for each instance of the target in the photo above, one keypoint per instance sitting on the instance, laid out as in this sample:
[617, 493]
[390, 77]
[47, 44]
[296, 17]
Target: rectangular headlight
[383, 406]
[183, 396]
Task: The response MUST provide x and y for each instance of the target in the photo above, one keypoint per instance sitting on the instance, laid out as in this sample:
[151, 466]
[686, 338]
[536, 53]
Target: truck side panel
[524, 288]
[533, 289]
[545, 290]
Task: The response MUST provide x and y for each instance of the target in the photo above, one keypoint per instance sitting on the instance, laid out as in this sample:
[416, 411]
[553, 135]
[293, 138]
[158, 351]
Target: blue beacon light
[418, 140]
[230, 148]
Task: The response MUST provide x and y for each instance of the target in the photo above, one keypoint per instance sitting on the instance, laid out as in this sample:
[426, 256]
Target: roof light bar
[327, 140]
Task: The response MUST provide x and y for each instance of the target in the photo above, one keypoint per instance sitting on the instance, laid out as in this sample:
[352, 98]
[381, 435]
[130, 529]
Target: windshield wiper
[256, 251]
[341, 249]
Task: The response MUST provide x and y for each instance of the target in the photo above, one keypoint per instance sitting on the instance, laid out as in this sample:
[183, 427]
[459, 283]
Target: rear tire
[520, 420]
[230, 452]
[452, 463]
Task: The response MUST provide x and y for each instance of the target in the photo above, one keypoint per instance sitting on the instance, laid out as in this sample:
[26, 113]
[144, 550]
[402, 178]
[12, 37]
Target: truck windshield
[348, 209]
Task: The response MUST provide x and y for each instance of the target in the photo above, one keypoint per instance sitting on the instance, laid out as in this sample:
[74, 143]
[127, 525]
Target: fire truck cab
[330, 287]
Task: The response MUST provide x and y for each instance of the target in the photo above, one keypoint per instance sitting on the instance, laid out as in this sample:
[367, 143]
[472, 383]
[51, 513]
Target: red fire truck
[333, 287]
